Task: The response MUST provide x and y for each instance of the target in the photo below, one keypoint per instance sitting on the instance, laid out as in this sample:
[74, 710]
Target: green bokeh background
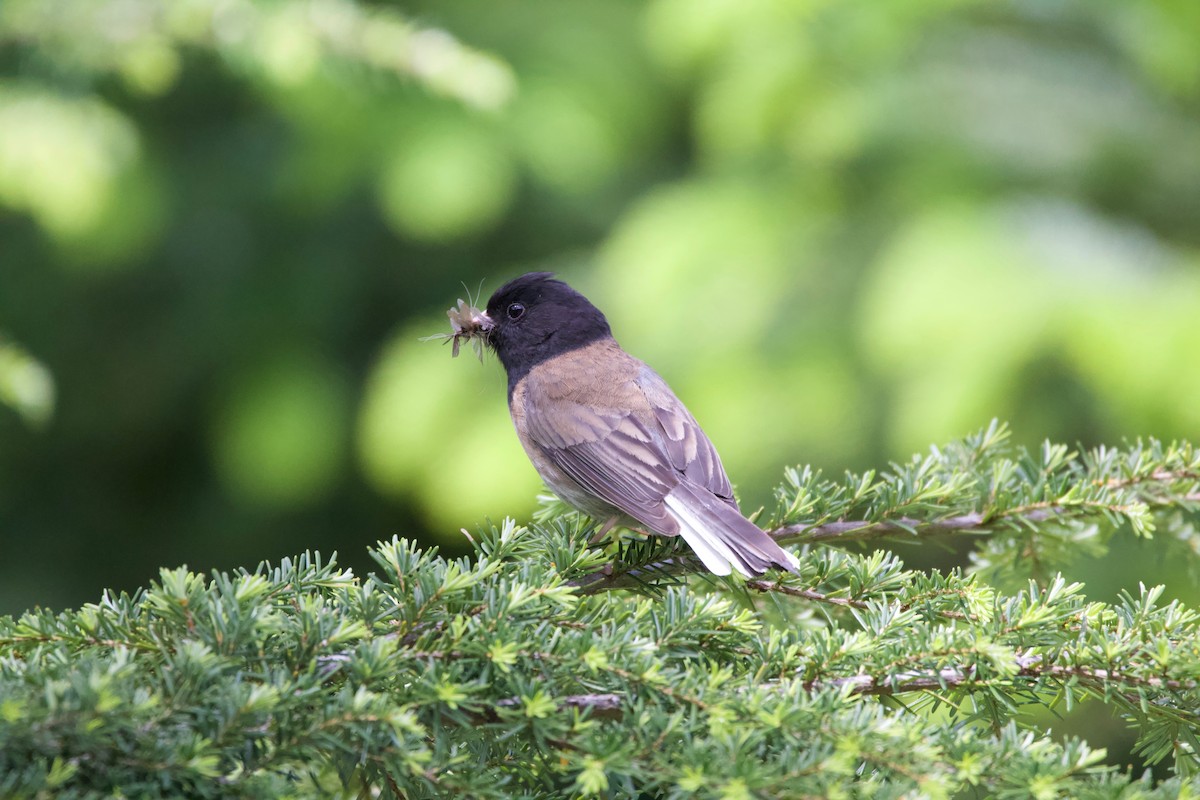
[842, 231]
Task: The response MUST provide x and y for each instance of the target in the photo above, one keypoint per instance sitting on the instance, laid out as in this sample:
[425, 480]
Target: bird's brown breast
[599, 376]
[588, 393]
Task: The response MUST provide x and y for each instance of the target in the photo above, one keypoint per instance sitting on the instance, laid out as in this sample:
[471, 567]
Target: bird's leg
[603, 531]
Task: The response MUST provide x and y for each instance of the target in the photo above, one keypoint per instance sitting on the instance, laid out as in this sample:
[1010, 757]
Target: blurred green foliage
[841, 231]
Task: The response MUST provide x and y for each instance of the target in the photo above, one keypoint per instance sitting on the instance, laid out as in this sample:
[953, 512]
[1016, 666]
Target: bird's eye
[516, 311]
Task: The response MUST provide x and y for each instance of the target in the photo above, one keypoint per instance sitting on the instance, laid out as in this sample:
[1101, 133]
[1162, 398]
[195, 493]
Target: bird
[606, 433]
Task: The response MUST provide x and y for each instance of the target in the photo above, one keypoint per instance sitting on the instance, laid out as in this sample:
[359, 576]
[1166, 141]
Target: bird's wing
[610, 452]
[688, 448]
[630, 451]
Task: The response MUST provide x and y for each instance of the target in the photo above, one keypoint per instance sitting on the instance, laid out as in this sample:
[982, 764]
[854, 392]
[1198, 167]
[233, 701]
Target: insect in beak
[466, 322]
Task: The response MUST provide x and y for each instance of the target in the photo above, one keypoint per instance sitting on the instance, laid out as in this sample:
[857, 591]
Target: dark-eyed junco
[606, 433]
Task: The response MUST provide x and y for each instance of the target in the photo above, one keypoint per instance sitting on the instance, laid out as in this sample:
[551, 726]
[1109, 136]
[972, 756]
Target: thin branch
[609, 705]
[1029, 666]
[602, 706]
[844, 602]
[1158, 476]
[808, 594]
[861, 530]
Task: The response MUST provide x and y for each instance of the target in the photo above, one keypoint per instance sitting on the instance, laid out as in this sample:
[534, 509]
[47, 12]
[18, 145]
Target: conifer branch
[980, 486]
[1032, 668]
[807, 594]
[513, 671]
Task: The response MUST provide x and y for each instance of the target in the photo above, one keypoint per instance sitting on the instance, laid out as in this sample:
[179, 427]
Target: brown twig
[610, 705]
[807, 594]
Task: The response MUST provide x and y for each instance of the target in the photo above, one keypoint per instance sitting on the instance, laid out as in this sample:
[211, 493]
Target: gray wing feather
[630, 460]
[611, 456]
[685, 443]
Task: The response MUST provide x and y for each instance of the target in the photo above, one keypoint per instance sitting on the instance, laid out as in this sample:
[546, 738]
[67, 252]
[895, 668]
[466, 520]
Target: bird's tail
[722, 538]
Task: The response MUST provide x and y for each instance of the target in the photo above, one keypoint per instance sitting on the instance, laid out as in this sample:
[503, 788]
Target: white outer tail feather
[713, 553]
[708, 545]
